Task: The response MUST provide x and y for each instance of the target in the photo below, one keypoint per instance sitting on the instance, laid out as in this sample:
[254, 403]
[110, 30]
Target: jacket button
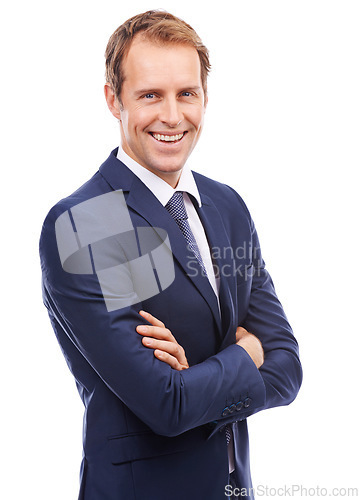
[239, 405]
[225, 412]
[247, 402]
[232, 408]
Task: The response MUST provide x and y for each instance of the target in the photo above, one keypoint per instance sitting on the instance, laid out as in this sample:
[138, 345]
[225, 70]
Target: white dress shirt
[164, 192]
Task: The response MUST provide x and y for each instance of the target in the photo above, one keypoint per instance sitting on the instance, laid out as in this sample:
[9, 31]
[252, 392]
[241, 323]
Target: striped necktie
[177, 210]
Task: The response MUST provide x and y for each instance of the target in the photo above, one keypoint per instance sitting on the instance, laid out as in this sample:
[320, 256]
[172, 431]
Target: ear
[112, 101]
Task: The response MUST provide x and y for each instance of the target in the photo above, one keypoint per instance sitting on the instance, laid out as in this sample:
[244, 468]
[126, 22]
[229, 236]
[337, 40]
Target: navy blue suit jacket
[152, 432]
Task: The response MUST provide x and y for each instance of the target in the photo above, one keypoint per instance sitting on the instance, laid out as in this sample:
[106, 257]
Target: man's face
[162, 106]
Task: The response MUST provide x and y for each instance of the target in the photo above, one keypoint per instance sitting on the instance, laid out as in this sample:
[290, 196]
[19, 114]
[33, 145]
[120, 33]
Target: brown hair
[158, 26]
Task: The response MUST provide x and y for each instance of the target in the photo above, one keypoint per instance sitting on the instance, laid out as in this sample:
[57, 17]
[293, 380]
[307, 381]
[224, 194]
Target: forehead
[150, 62]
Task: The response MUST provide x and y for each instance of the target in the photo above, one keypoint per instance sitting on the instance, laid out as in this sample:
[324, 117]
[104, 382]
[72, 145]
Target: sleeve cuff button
[239, 405]
[247, 402]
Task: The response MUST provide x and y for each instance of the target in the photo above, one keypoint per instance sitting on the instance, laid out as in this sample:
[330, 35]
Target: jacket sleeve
[168, 401]
[281, 371]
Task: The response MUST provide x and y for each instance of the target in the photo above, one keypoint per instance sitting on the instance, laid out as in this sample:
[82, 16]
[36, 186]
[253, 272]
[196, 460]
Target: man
[171, 350]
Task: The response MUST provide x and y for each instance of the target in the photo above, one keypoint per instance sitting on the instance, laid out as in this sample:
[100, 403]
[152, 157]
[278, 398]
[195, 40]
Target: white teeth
[168, 138]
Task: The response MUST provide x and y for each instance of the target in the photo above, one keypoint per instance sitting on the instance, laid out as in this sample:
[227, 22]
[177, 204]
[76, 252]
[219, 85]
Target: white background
[281, 128]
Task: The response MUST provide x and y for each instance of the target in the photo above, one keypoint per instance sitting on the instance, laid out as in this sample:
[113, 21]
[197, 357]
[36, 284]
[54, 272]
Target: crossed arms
[167, 349]
[168, 398]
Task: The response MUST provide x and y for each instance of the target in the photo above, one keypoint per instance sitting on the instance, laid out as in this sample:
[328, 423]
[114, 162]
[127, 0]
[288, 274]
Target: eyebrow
[140, 92]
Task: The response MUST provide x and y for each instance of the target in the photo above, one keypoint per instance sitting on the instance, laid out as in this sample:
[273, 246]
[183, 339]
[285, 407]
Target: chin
[168, 169]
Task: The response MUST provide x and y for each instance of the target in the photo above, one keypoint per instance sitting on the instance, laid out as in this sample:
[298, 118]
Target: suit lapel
[146, 204]
[143, 202]
[222, 257]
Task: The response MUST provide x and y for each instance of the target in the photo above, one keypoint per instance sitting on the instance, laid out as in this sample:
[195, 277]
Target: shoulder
[110, 175]
[95, 186]
[222, 195]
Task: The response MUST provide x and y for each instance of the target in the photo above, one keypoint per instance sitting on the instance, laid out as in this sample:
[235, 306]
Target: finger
[167, 358]
[151, 319]
[171, 348]
[156, 332]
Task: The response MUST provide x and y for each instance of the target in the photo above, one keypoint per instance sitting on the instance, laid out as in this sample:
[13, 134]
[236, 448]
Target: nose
[170, 112]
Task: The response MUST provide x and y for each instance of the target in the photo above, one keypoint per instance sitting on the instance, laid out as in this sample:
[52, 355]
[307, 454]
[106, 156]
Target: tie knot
[175, 206]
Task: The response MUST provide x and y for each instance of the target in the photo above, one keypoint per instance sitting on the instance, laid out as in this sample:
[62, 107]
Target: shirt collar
[160, 188]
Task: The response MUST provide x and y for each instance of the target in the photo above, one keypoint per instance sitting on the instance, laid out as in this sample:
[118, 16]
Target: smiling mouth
[168, 138]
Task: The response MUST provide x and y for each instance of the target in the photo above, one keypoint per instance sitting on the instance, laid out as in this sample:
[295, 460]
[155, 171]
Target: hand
[158, 337]
[251, 344]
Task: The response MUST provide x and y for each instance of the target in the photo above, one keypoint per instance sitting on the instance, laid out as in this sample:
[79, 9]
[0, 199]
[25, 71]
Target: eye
[186, 94]
[149, 96]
